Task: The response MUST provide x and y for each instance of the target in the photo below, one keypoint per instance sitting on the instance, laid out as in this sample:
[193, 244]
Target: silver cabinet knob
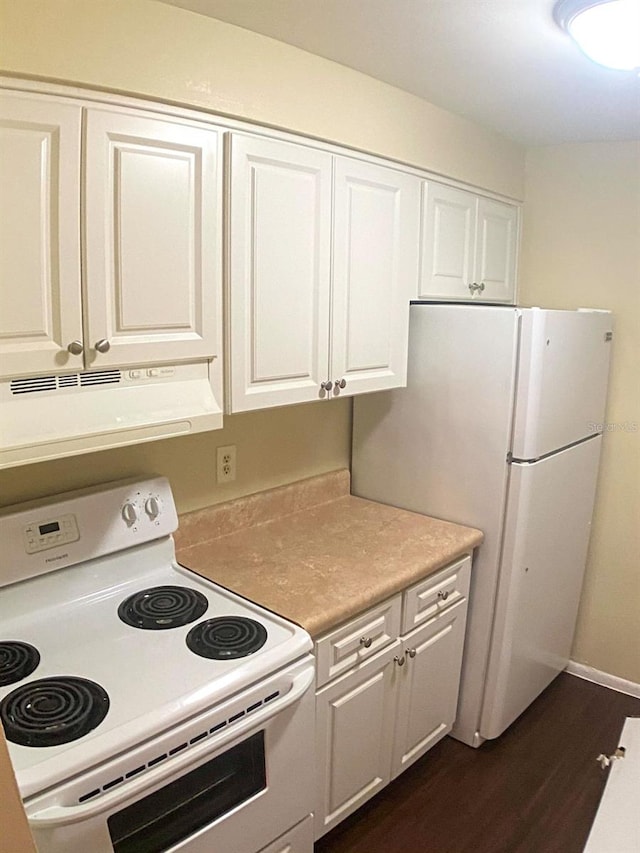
[400, 660]
[75, 348]
[412, 653]
[341, 383]
[366, 642]
[443, 595]
[102, 345]
[474, 287]
[326, 386]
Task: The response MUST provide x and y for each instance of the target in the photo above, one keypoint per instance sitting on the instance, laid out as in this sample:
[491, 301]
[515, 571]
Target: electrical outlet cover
[226, 464]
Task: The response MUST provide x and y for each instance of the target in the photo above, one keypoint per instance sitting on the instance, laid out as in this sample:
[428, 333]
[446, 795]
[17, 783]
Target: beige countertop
[315, 554]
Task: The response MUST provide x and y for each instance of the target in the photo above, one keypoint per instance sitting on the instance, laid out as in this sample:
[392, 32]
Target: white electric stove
[132, 686]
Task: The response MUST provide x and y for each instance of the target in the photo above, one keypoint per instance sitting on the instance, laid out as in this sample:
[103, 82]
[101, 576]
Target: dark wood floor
[534, 790]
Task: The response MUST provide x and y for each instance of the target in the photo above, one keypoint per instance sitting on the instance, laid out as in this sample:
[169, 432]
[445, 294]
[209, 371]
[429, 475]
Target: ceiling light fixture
[607, 31]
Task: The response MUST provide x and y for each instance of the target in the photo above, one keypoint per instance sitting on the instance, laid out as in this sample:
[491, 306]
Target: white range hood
[48, 417]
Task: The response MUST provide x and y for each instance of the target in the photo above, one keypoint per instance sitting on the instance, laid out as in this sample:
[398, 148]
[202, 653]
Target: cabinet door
[428, 686]
[496, 249]
[40, 309]
[448, 232]
[375, 274]
[153, 203]
[354, 722]
[279, 275]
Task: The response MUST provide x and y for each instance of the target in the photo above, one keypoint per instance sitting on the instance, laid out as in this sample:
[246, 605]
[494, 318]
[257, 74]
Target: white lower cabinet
[298, 839]
[428, 686]
[354, 729]
[394, 703]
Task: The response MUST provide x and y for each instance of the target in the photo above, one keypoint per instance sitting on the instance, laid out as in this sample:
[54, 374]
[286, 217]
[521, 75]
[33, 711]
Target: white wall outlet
[226, 464]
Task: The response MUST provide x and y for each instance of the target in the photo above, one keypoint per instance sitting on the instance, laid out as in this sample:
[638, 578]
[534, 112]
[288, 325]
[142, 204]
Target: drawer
[357, 640]
[435, 594]
[299, 839]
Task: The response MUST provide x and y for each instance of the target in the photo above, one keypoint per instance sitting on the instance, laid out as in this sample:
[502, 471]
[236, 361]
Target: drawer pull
[399, 660]
[366, 642]
[412, 653]
[443, 595]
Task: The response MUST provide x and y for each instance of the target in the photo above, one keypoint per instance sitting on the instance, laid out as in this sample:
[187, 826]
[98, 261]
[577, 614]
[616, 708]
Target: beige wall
[581, 247]
[148, 48]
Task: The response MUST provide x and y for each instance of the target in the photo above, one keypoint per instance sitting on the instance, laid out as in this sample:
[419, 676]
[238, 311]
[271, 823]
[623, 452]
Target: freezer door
[547, 527]
[562, 379]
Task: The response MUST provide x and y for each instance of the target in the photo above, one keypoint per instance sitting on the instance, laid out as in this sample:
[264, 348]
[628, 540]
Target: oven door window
[191, 802]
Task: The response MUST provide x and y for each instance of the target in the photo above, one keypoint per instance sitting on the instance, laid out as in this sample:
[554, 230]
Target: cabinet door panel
[376, 233]
[279, 272]
[429, 686]
[354, 720]
[447, 242]
[40, 309]
[153, 225]
[496, 244]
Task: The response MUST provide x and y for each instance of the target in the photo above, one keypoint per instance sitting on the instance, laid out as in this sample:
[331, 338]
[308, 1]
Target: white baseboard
[603, 678]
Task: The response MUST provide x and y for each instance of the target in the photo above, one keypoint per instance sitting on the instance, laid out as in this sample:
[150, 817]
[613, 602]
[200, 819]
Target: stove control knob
[130, 513]
[152, 507]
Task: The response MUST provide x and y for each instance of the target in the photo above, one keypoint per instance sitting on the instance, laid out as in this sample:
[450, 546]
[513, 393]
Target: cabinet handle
[412, 653]
[326, 386]
[75, 348]
[102, 345]
[341, 383]
[474, 287]
[443, 595]
[400, 660]
[366, 642]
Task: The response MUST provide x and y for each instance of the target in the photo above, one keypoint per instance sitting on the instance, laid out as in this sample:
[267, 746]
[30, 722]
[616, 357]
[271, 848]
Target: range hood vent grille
[33, 384]
[100, 377]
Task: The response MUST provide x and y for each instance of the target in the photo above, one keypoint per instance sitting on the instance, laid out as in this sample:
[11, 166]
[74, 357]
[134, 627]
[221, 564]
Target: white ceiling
[502, 63]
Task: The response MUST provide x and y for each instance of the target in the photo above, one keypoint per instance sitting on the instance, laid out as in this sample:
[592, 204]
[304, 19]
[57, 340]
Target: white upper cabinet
[469, 246]
[280, 254]
[496, 250]
[375, 269]
[320, 276]
[153, 237]
[146, 193]
[153, 224]
[40, 311]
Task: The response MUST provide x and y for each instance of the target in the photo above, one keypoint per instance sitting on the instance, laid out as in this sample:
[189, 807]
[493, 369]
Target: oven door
[239, 777]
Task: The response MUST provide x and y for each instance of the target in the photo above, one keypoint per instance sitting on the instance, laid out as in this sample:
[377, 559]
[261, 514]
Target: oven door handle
[52, 816]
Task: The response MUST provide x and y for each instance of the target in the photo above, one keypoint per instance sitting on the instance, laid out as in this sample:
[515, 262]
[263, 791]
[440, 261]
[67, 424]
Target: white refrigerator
[499, 428]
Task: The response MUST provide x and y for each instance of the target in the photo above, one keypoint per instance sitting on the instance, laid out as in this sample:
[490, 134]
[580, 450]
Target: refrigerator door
[545, 548]
[439, 447]
[562, 379]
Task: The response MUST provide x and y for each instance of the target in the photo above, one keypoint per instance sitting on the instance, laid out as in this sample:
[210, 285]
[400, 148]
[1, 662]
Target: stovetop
[153, 678]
